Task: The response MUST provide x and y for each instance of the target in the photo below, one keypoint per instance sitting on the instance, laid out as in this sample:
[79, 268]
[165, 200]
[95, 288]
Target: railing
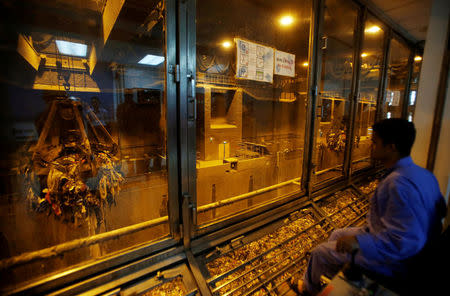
[78, 243]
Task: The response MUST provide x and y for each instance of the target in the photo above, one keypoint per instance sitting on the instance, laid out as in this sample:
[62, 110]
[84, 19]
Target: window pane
[335, 87]
[251, 93]
[414, 87]
[83, 129]
[397, 76]
[371, 64]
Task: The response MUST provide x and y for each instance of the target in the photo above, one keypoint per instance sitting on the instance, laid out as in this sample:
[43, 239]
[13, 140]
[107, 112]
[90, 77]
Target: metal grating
[344, 208]
[263, 261]
[369, 186]
[170, 281]
[261, 266]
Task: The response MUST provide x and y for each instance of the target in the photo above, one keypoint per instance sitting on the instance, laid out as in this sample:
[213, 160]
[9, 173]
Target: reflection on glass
[251, 92]
[335, 86]
[397, 76]
[371, 63]
[84, 133]
[414, 86]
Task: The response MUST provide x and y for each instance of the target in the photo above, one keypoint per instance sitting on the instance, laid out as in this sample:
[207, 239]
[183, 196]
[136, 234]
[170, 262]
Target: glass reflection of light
[412, 98]
[286, 20]
[226, 44]
[373, 29]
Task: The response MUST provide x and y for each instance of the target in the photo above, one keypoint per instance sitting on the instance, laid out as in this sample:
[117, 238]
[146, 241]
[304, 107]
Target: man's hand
[347, 244]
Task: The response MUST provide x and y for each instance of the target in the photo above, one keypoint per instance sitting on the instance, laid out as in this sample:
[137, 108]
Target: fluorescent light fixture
[151, 60]
[71, 48]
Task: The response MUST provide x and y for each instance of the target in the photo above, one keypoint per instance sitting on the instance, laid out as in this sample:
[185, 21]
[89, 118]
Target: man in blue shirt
[405, 213]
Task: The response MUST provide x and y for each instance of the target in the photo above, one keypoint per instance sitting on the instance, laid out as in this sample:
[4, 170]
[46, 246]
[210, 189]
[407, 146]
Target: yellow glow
[305, 64]
[226, 44]
[417, 58]
[364, 54]
[286, 20]
[373, 29]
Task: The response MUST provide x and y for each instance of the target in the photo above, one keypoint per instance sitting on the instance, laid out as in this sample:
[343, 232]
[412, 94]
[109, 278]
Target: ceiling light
[71, 48]
[364, 54]
[305, 64]
[151, 60]
[373, 29]
[226, 44]
[417, 58]
[286, 20]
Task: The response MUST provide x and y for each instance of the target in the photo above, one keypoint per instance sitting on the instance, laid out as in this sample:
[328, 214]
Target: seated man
[405, 212]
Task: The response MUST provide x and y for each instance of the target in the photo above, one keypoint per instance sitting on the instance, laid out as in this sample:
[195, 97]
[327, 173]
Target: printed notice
[284, 63]
[395, 98]
[254, 61]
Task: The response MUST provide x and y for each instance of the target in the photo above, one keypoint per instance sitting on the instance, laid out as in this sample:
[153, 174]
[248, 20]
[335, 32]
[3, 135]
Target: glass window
[334, 90]
[83, 130]
[251, 94]
[370, 75]
[397, 76]
[414, 86]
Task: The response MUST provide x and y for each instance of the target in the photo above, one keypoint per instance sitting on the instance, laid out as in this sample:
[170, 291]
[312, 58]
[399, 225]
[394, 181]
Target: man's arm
[403, 236]
[347, 244]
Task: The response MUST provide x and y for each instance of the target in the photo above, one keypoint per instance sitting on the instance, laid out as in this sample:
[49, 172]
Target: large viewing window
[369, 83]
[333, 102]
[83, 132]
[251, 102]
[397, 79]
[414, 86]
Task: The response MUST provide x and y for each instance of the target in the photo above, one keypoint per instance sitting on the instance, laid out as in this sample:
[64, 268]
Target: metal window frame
[76, 273]
[406, 43]
[408, 84]
[354, 86]
[315, 60]
[180, 72]
[358, 43]
[187, 34]
[381, 82]
[172, 127]
[384, 75]
[418, 50]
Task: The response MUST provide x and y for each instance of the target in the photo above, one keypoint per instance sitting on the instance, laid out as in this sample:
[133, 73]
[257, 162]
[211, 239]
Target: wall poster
[284, 63]
[254, 61]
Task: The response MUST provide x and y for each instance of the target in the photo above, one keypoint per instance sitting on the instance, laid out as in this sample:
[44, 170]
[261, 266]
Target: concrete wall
[429, 79]
[435, 47]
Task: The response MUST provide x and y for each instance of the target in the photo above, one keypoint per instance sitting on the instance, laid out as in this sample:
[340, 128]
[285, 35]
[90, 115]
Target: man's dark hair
[397, 131]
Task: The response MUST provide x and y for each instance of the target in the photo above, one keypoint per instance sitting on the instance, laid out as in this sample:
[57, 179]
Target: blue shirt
[405, 212]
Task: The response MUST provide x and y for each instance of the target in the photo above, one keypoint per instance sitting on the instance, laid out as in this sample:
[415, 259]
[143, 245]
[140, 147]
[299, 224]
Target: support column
[435, 46]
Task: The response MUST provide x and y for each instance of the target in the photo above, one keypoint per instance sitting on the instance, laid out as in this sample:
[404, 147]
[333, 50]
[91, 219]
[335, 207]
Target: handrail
[78, 243]
[244, 196]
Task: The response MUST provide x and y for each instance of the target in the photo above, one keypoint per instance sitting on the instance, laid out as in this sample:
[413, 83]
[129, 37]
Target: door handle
[325, 42]
[192, 98]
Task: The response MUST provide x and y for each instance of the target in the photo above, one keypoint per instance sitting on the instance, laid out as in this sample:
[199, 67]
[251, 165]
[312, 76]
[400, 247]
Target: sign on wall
[284, 63]
[396, 98]
[254, 61]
